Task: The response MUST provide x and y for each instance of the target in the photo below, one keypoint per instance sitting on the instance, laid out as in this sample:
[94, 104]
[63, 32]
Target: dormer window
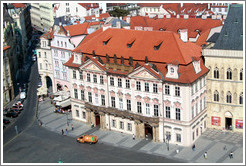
[157, 47]
[130, 43]
[105, 42]
[172, 70]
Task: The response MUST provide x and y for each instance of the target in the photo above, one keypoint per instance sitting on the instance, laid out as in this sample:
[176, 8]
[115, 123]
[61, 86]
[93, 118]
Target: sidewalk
[212, 141]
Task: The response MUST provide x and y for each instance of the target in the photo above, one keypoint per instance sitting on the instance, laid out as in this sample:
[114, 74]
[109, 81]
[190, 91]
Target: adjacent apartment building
[225, 80]
[147, 83]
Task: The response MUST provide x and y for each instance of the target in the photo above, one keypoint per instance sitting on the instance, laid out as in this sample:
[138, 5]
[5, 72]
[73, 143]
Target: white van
[23, 95]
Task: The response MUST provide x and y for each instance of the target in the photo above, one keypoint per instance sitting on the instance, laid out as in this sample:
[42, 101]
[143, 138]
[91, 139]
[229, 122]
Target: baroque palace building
[225, 59]
[140, 82]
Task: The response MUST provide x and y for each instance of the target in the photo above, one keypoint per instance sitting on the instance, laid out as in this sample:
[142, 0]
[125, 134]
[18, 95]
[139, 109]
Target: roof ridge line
[178, 47]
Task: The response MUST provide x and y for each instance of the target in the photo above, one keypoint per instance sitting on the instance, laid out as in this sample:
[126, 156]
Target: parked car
[17, 108]
[91, 139]
[18, 104]
[12, 114]
[18, 111]
[6, 121]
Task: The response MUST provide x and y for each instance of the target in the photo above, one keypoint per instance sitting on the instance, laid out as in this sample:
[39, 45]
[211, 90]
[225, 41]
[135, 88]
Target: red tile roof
[48, 35]
[6, 47]
[18, 5]
[78, 29]
[89, 5]
[149, 4]
[101, 16]
[174, 24]
[171, 49]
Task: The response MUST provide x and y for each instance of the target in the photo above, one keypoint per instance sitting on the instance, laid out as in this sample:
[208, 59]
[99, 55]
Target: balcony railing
[123, 114]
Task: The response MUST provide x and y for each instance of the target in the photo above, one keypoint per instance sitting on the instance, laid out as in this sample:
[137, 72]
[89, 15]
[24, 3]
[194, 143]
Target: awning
[64, 103]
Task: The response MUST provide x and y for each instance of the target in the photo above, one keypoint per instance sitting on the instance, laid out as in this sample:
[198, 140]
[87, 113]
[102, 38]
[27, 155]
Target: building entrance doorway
[228, 123]
[148, 131]
[97, 119]
[49, 84]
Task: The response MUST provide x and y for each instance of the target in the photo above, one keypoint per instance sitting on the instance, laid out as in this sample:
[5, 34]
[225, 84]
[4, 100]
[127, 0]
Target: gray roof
[122, 23]
[213, 38]
[231, 36]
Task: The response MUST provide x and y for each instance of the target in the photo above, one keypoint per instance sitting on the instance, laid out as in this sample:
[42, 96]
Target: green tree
[118, 12]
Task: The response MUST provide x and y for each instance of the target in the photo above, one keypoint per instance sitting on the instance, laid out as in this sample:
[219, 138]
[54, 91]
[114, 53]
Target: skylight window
[158, 46]
[129, 44]
[105, 42]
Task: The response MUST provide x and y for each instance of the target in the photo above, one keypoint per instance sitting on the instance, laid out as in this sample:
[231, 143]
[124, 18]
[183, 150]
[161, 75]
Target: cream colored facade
[220, 88]
[42, 16]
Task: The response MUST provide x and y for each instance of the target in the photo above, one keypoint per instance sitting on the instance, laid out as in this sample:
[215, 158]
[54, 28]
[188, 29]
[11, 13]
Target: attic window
[162, 29]
[236, 21]
[226, 34]
[105, 42]
[129, 44]
[157, 46]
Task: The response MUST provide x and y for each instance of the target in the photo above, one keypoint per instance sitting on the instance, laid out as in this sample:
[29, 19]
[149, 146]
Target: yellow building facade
[225, 89]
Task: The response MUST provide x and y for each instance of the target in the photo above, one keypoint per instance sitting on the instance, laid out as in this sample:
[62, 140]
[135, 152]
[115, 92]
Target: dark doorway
[228, 123]
[59, 87]
[97, 116]
[10, 95]
[148, 131]
[49, 84]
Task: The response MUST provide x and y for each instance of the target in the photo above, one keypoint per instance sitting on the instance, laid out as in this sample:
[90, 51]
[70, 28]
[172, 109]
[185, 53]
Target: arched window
[228, 97]
[216, 73]
[216, 96]
[241, 98]
[229, 74]
[241, 74]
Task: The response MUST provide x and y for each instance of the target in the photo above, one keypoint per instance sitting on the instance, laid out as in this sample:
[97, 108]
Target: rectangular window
[61, 44]
[192, 113]
[77, 113]
[113, 102]
[201, 105]
[114, 123]
[103, 99]
[197, 132]
[75, 93]
[64, 76]
[177, 114]
[90, 97]
[94, 78]
[196, 108]
[74, 74]
[119, 82]
[156, 110]
[146, 86]
[128, 105]
[112, 81]
[128, 84]
[167, 90]
[155, 90]
[147, 109]
[81, 75]
[177, 91]
[56, 64]
[82, 94]
[88, 77]
[168, 115]
[129, 126]
[57, 74]
[178, 137]
[101, 80]
[84, 115]
[121, 125]
[121, 103]
[96, 99]
[139, 107]
[193, 135]
[138, 85]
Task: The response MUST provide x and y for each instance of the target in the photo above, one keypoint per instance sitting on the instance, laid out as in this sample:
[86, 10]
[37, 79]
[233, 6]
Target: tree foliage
[118, 12]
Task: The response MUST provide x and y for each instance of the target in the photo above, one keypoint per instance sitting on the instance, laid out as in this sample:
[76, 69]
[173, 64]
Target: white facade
[185, 120]
[45, 66]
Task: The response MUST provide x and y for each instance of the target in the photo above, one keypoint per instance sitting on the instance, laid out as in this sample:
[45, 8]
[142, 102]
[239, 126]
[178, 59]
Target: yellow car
[91, 139]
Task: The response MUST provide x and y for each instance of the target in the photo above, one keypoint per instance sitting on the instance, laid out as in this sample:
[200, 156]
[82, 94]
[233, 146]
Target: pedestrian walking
[133, 137]
[62, 132]
[231, 155]
[225, 148]
[194, 147]
[92, 125]
[66, 132]
[72, 126]
[205, 155]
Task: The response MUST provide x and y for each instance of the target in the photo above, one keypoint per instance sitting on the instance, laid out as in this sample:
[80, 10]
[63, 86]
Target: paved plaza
[211, 141]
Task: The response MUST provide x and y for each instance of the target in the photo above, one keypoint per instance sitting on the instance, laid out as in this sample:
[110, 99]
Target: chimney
[118, 25]
[208, 5]
[181, 5]
[186, 16]
[178, 16]
[168, 16]
[183, 34]
[68, 34]
[128, 19]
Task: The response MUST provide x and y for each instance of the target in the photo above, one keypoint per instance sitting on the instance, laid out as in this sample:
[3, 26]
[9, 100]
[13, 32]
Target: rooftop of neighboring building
[6, 17]
[231, 36]
[88, 6]
[101, 16]
[18, 5]
[6, 47]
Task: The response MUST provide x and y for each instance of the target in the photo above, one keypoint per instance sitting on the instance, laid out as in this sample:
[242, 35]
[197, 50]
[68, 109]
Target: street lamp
[67, 119]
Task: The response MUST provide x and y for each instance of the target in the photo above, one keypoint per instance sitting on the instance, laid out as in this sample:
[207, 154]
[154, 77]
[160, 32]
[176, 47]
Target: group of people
[62, 131]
